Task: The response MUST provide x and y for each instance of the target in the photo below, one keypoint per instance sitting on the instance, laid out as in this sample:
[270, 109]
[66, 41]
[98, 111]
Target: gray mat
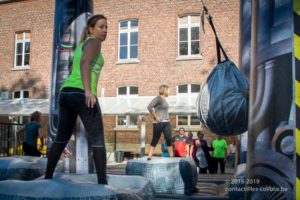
[168, 175]
[24, 167]
[78, 187]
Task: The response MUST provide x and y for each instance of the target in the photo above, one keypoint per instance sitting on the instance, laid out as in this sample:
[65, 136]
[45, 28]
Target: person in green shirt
[78, 97]
[219, 152]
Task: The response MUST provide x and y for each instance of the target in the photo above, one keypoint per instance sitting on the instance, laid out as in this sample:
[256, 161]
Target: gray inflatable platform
[24, 167]
[168, 175]
[78, 187]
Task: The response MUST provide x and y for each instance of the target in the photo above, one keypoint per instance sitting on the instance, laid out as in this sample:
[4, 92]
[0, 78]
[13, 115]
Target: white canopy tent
[109, 105]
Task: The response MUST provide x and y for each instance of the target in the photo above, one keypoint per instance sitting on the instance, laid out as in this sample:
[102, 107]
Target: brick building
[149, 43]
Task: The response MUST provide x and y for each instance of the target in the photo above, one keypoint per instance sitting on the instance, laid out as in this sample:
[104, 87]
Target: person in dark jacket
[206, 150]
[33, 131]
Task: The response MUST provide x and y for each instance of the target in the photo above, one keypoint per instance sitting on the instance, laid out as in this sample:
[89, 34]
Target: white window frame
[189, 26]
[189, 122]
[127, 122]
[23, 41]
[127, 91]
[21, 94]
[128, 31]
[189, 89]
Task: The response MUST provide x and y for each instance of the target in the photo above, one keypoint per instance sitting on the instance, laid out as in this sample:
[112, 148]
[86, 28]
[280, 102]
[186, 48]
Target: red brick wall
[158, 36]
[36, 16]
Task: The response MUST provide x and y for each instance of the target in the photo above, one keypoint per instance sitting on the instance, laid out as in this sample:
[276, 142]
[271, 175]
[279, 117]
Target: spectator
[231, 153]
[219, 146]
[180, 144]
[32, 131]
[201, 158]
[206, 150]
[67, 153]
[164, 150]
[243, 149]
[190, 145]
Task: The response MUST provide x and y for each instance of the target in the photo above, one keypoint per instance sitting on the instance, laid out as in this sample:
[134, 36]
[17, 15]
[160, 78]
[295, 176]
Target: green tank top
[74, 80]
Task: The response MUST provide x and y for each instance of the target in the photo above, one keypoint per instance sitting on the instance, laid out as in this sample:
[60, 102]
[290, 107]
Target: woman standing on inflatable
[158, 108]
[78, 96]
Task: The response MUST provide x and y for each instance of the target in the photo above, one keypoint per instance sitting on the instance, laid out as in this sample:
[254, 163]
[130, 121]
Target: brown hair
[90, 23]
[35, 116]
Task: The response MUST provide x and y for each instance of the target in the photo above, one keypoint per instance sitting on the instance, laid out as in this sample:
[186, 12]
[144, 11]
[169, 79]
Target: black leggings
[30, 150]
[162, 127]
[72, 104]
[222, 164]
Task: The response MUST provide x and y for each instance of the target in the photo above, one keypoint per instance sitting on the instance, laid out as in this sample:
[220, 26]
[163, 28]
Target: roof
[109, 105]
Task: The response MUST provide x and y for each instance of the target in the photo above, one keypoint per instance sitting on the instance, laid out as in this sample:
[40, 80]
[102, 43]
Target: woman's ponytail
[84, 34]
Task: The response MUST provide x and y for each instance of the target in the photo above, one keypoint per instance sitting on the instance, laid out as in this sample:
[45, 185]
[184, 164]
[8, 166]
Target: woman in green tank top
[78, 97]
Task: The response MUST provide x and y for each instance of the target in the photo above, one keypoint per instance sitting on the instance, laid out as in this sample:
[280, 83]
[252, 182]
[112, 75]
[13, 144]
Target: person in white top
[231, 153]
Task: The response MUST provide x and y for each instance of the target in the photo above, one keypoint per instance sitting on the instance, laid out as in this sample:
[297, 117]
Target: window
[127, 121]
[128, 91]
[22, 49]
[182, 120]
[188, 89]
[22, 94]
[187, 120]
[128, 40]
[188, 31]
[4, 95]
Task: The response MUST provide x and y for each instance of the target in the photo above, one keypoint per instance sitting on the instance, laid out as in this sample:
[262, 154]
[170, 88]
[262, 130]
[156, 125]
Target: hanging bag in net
[222, 104]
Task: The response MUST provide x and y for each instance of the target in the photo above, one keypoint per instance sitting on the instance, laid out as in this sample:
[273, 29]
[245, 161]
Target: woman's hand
[90, 99]
[157, 118]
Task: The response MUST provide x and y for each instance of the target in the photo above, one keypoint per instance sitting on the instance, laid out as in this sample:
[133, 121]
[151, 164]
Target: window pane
[27, 35]
[195, 33]
[134, 23]
[195, 88]
[195, 120]
[124, 24]
[195, 48]
[17, 94]
[26, 61]
[19, 60]
[122, 120]
[133, 90]
[123, 39]
[183, 20]
[195, 19]
[19, 36]
[183, 36]
[182, 120]
[27, 47]
[133, 51]
[123, 52]
[134, 38]
[25, 94]
[122, 90]
[183, 48]
[133, 120]
[19, 48]
[182, 88]
[26, 119]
